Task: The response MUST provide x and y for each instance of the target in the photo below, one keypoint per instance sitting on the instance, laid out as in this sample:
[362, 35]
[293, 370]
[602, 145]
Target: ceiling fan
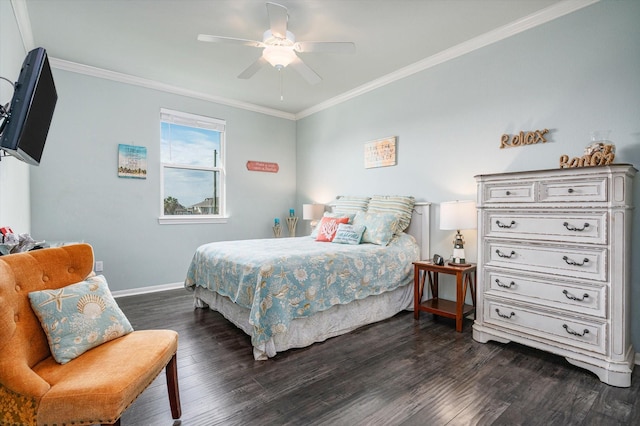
[280, 46]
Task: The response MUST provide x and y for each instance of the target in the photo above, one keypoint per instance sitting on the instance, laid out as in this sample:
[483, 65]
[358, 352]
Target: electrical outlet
[99, 266]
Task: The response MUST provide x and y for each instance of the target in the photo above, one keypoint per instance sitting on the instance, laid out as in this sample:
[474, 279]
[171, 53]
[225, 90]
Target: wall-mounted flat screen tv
[24, 131]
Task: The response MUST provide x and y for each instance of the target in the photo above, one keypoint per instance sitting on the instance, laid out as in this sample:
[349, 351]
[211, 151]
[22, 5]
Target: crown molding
[24, 23]
[152, 84]
[531, 21]
[543, 16]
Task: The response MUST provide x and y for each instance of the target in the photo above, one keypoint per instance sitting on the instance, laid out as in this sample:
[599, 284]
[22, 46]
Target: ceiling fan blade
[307, 73]
[253, 68]
[278, 18]
[325, 46]
[230, 40]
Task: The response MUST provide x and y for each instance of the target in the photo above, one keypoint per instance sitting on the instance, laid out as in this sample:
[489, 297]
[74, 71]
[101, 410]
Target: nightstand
[465, 280]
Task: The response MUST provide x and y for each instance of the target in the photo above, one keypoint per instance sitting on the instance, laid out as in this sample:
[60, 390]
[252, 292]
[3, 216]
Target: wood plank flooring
[395, 372]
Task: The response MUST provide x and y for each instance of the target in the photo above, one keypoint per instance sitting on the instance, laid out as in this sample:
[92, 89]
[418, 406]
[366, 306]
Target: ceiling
[154, 42]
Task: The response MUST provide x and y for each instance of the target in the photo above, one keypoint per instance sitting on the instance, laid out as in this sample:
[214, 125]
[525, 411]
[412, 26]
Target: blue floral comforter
[281, 279]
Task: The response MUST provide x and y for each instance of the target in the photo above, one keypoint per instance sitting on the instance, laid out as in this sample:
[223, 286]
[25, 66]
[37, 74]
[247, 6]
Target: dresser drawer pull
[508, 192]
[570, 190]
[504, 225]
[566, 327]
[503, 315]
[584, 296]
[573, 228]
[571, 262]
[506, 256]
[511, 284]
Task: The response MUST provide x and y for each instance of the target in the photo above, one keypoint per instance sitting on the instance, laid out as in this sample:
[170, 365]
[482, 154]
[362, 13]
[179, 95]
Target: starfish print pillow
[79, 317]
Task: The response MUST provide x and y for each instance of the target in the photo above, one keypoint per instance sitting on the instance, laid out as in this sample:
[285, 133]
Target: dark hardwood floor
[396, 372]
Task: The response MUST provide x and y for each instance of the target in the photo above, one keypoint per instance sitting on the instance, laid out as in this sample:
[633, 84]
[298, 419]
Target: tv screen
[24, 131]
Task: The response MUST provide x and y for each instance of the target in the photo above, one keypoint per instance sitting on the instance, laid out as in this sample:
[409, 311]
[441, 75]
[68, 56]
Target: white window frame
[203, 122]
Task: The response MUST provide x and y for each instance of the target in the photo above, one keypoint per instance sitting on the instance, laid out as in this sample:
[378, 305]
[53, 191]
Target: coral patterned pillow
[328, 227]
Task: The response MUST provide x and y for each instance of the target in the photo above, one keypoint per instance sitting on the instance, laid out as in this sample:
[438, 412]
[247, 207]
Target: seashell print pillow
[379, 227]
[79, 317]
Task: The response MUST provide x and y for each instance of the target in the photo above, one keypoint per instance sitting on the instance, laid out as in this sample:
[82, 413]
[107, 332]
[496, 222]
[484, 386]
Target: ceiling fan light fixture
[279, 56]
[271, 39]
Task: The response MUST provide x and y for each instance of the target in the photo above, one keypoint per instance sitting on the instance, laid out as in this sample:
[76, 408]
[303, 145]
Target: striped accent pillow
[399, 205]
[350, 204]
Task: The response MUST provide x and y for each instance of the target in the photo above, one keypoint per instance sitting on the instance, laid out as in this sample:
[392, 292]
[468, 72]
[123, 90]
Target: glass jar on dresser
[554, 265]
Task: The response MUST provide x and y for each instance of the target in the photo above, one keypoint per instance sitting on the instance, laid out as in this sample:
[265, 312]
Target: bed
[292, 292]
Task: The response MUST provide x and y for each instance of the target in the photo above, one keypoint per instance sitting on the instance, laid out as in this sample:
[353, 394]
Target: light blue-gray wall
[574, 75]
[77, 195]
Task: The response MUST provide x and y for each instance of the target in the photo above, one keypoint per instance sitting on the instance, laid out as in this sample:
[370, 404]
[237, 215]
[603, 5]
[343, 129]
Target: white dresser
[554, 265]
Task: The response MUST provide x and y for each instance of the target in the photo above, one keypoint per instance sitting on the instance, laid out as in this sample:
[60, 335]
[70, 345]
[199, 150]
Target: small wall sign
[262, 166]
[380, 153]
[132, 161]
[522, 138]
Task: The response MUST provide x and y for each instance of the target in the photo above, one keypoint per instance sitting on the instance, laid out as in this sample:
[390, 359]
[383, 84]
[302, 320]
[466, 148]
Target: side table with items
[458, 309]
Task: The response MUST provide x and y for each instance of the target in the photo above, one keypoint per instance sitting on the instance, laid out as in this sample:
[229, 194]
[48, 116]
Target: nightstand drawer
[509, 193]
[574, 190]
[573, 297]
[580, 333]
[570, 226]
[558, 260]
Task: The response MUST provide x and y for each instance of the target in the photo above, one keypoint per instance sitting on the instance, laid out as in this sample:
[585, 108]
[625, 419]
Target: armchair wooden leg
[172, 387]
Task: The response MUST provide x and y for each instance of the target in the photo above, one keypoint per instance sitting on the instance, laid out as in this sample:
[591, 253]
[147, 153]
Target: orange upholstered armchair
[98, 385]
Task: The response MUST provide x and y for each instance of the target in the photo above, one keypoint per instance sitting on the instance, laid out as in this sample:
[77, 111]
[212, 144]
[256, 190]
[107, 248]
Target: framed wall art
[132, 161]
[380, 153]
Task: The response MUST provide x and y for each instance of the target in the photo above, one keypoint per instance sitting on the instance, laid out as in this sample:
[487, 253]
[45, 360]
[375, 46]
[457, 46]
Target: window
[192, 168]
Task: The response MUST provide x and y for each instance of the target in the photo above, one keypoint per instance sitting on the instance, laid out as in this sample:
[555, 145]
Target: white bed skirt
[339, 319]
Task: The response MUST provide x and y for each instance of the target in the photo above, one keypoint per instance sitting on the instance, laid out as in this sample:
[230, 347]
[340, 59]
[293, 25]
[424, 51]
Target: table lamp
[312, 212]
[457, 215]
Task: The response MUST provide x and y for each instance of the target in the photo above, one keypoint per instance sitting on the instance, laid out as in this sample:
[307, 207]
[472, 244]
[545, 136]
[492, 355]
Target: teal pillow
[79, 317]
[348, 234]
[379, 227]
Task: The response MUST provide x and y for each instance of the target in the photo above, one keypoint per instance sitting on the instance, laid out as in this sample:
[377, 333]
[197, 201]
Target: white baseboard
[145, 290]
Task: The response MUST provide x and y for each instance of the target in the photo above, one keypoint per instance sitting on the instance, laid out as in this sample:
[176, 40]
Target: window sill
[190, 220]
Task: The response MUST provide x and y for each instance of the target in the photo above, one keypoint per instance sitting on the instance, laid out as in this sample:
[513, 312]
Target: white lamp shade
[458, 215]
[312, 211]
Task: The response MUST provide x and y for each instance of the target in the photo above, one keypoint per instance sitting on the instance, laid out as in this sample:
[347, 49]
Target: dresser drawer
[569, 227]
[573, 297]
[509, 193]
[594, 189]
[589, 263]
[581, 333]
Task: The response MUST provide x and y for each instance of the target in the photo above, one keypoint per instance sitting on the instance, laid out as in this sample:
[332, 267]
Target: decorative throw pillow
[328, 227]
[350, 204]
[379, 227]
[348, 234]
[400, 205]
[349, 216]
[79, 317]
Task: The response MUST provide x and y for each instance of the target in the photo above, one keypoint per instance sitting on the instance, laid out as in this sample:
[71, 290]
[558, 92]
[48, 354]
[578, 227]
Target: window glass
[191, 152]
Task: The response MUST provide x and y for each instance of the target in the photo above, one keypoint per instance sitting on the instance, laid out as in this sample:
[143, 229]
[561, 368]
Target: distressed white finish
[553, 265]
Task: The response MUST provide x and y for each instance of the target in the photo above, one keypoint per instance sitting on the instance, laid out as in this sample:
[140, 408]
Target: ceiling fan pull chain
[280, 73]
